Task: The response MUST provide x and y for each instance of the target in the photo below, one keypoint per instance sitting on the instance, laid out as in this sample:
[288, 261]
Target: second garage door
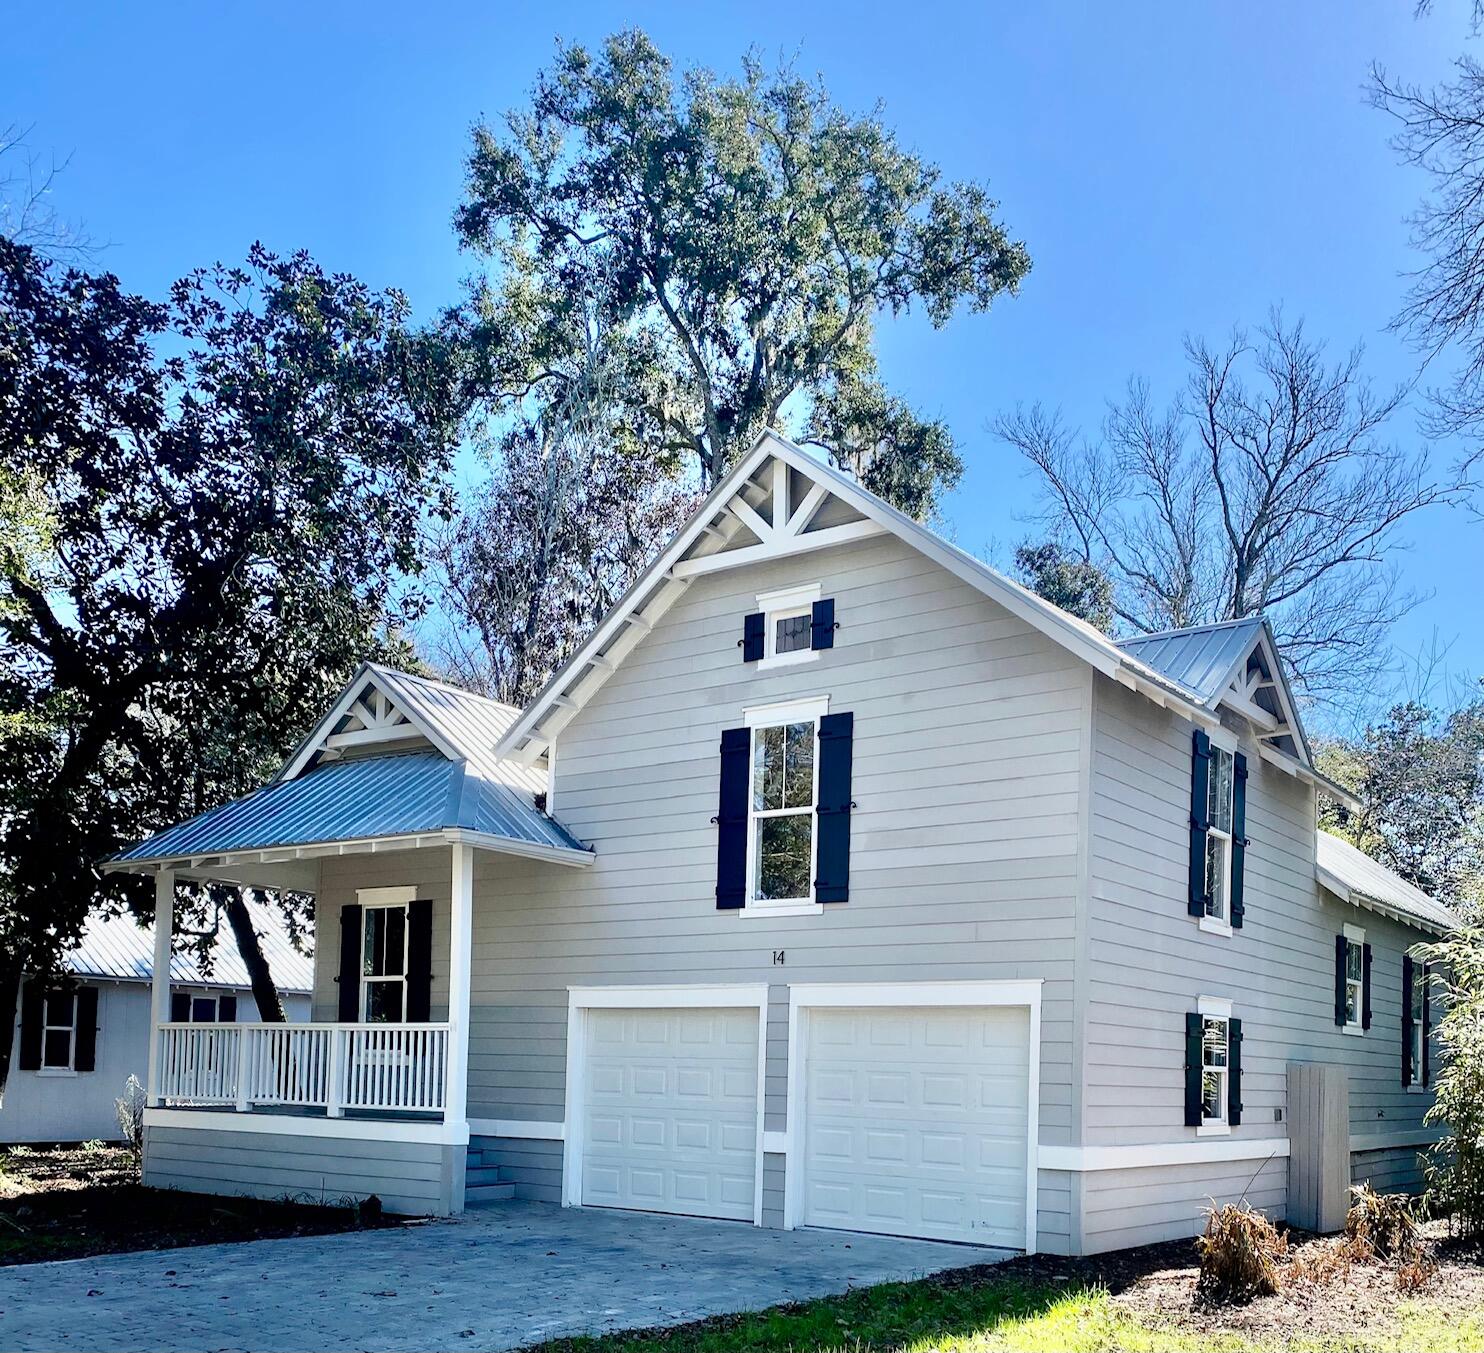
[915, 1122]
[670, 1112]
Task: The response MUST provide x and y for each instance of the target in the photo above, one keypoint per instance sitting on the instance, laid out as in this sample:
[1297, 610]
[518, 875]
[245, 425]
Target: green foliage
[1077, 585]
[197, 546]
[738, 236]
[1419, 773]
[1455, 1166]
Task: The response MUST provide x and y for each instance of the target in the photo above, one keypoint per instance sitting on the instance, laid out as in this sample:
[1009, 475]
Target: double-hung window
[384, 964]
[781, 806]
[1418, 1031]
[58, 1030]
[1354, 979]
[1219, 788]
[1215, 1068]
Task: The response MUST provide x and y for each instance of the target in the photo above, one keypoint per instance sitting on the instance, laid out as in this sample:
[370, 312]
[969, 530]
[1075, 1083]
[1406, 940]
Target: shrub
[1383, 1223]
[1455, 1166]
[1240, 1253]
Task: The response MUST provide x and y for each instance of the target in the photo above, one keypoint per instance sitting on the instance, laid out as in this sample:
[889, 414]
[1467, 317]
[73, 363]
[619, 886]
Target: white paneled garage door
[670, 1111]
[915, 1122]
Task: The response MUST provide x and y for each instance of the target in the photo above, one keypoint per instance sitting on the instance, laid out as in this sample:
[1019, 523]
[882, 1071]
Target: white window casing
[787, 604]
[759, 719]
[1354, 980]
[1216, 1014]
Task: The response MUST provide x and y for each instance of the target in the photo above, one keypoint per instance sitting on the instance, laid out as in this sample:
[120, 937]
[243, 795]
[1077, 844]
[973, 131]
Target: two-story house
[836, 881]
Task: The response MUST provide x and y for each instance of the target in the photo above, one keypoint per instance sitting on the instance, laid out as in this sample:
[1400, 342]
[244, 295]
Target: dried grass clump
[1325, 1261]
[1384, 1224]
[1240, 1253]
[1414, 1275]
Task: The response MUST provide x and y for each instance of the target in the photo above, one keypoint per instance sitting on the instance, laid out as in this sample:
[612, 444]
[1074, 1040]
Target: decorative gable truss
[1259, 692]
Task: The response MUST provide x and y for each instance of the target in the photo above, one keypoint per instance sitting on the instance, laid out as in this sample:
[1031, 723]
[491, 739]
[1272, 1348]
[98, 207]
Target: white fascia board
[1342, 890]
[1160, 1154]
[294, 1125]
[1309, 776]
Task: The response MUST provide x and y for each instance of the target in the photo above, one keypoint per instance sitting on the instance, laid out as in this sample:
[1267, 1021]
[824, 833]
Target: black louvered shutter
[350, 963]
[822, 624]
[1239, 838]
[1193, 1069]
[85, 1041]
[731, 819]
[31, 1013]
[226, 1010]
[1234, 1072]
[1426, 1025]
[1365, 986]
[1407, 1022]
[752, 637]
[419, 961]
[1341, 944]
[1200, 773]
[836, 757]
[180, 1007]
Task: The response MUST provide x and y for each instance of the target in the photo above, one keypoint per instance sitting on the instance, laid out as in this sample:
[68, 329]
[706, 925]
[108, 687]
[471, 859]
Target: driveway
[497, 1278]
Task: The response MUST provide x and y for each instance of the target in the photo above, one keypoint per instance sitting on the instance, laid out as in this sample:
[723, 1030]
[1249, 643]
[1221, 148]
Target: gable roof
[396, 756]
[114, 947]
[761, 509]
[1354, 877]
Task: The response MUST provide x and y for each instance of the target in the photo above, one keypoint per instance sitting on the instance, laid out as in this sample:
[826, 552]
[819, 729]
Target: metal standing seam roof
[115, 947]
[395, 793]
[1354, 876]
[1200, 658]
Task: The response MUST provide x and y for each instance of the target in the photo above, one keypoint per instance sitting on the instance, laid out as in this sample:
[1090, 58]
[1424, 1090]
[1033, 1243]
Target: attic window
[788, 619]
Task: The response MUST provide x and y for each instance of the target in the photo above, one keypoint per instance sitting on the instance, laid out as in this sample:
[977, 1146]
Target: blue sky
[1173, 168]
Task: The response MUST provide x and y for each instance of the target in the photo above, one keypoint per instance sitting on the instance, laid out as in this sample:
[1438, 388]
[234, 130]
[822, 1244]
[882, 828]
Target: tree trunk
[12, 968]
[264, 989]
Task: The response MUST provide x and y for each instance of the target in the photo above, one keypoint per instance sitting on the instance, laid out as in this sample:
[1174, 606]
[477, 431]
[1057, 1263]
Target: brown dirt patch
[64, 1203]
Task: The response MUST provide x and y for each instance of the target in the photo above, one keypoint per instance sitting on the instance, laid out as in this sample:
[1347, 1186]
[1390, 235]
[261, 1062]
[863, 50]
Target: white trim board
[1083, 1159]
[580, 1000]
[292, 1125]
[915, 995]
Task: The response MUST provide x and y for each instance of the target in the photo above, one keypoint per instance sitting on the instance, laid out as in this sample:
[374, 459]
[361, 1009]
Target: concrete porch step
[488, 1193]
[481, 1174]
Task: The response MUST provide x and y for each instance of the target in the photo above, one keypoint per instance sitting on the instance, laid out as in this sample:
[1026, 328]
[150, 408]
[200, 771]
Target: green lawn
[1010, 1315]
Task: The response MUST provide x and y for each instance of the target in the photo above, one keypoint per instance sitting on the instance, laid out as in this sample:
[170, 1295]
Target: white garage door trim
[581, 1000]
[804, 998]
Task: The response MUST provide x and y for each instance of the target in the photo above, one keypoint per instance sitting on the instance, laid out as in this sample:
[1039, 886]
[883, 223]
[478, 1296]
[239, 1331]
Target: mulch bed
[64, 1203]
[1157, 1284]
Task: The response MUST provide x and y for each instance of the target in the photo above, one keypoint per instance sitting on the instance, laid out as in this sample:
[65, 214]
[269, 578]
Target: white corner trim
[581, 1000]
[806, 996]
[523, 1129]
[291, 1125]
[799, 710]
[786, 598]
[1081, 1159]
[1214, 1007]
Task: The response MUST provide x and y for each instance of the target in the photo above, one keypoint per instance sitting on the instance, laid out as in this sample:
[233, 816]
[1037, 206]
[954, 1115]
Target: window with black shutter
[791, 625]
[1218, 825]
[1213, 1067]
[1352, 980]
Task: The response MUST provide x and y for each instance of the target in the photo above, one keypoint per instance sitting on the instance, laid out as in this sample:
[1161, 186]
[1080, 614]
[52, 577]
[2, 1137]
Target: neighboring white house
[837, 881]
[76, 1046]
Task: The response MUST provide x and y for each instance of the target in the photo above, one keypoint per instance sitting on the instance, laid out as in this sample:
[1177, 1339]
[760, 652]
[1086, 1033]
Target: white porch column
[159, 1004]
[460, 950]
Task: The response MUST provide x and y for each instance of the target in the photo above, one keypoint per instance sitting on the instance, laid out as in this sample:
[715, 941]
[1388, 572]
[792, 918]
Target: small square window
[793, 633]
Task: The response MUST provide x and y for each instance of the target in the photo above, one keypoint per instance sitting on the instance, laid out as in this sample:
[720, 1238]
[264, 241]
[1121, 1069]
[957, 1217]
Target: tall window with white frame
[1354, 984]
[58, 1030]
[1215, 1068]
[1419, 1018]
[1219, 788]
[781, 862]
[384, 965]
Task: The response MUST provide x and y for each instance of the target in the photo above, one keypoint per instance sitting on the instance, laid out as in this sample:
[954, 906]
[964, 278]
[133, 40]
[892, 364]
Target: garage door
[670, 1115]
[915, 1122]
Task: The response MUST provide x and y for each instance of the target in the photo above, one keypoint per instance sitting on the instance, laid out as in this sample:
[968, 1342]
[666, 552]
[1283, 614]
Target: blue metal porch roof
[375, 796]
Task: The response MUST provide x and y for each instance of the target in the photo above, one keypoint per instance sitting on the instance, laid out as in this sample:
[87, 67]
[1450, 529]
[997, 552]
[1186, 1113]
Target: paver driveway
[497, 1278]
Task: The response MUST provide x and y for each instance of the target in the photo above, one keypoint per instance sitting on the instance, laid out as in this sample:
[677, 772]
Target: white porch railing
[387, 1068]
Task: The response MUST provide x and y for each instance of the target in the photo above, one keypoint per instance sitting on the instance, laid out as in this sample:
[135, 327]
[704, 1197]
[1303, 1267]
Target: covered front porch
[380, 816]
